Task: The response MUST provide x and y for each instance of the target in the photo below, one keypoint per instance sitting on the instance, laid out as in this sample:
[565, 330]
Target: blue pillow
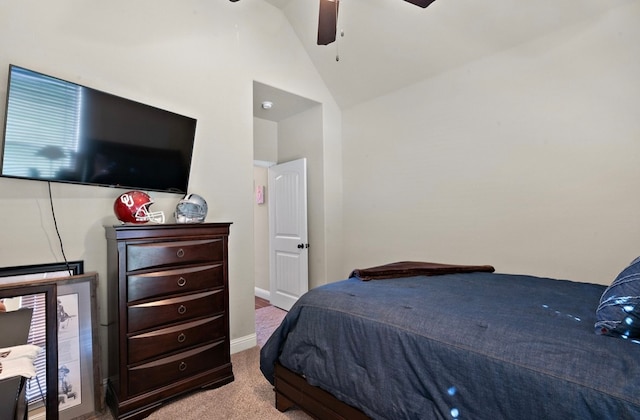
[618, 313]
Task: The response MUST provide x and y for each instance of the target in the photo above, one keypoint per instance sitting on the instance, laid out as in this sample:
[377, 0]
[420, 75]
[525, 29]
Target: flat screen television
[60, 131]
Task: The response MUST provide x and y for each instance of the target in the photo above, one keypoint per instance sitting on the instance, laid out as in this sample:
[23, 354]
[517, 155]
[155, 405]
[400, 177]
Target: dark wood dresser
[168, 313]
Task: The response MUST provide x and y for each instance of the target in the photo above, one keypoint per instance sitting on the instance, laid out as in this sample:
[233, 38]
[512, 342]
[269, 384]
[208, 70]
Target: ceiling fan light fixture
[328, 19]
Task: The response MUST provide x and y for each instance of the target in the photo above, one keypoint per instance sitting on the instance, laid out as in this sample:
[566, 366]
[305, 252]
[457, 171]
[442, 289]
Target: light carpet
[267, 320]
[250, 396]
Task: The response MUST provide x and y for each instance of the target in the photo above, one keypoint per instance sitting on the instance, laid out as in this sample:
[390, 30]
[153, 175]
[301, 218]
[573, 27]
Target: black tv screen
[60, 131]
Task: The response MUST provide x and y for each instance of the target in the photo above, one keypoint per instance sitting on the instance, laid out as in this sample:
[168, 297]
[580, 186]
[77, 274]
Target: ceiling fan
[328, 19]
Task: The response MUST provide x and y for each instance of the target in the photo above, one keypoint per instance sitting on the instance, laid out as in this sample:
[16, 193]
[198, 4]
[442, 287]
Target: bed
[460, 345]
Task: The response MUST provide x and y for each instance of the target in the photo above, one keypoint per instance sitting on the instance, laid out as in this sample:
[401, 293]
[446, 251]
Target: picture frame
[78, 349]
[24, 273]
[79, 390]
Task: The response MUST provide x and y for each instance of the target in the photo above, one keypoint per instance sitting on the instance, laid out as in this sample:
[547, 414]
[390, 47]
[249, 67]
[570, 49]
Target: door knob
[300, 246]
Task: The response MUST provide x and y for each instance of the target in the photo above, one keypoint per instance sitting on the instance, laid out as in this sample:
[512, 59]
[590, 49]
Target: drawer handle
[182, 366]
[182, 309]
[182, 281]
[180, 253]
[181, 338]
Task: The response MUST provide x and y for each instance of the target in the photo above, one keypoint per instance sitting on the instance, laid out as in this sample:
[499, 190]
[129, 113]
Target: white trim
[263, 163]
[244, 343]
[261, 293]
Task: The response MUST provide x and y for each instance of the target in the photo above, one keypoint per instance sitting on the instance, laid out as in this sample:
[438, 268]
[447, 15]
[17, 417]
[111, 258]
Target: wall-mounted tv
[60, 131]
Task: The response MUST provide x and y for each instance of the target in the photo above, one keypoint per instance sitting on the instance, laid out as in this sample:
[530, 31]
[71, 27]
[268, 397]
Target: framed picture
[77, 325]
[78, 348]
[23, 273]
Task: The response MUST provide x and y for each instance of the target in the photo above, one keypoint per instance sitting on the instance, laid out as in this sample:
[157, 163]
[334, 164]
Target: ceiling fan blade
[327, 21]
[421, 3]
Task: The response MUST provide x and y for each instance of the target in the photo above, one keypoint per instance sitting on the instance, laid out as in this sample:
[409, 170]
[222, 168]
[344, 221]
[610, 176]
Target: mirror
[44, 293]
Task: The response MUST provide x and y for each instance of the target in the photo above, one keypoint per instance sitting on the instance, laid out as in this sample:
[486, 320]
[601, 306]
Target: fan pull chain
[341, 34]
[338, 45]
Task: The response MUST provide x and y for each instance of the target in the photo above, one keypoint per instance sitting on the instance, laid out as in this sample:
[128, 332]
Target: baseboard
[261, 293]
[251, 340]
[264, 163]
[244, 343]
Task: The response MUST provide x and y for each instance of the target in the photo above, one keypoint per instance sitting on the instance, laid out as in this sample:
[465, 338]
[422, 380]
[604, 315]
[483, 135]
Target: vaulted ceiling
[390, 44]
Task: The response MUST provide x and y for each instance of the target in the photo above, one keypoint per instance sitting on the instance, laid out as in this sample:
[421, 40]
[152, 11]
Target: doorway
[280, 133]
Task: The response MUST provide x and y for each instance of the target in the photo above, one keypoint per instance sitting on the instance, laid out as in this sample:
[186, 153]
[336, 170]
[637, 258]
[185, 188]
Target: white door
[288, 243]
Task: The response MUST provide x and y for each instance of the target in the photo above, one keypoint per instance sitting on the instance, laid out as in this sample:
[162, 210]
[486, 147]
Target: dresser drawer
[167, 340]
[174, 310]
[169, 282]
[166, 371]
[157, 254]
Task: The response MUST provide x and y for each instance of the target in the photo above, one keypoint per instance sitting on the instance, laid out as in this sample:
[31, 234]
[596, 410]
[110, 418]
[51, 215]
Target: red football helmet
[133, 207]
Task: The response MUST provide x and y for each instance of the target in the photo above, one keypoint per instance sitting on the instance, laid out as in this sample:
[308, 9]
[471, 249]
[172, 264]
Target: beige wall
[265, 140]
[265, 152]
[527, 159]
[261, 231]
[194, 58]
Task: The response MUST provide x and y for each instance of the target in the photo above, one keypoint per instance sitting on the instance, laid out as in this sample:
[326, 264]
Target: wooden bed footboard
[293, 390]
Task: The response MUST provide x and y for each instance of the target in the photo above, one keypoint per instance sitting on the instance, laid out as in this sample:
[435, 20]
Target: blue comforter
[460, 346]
